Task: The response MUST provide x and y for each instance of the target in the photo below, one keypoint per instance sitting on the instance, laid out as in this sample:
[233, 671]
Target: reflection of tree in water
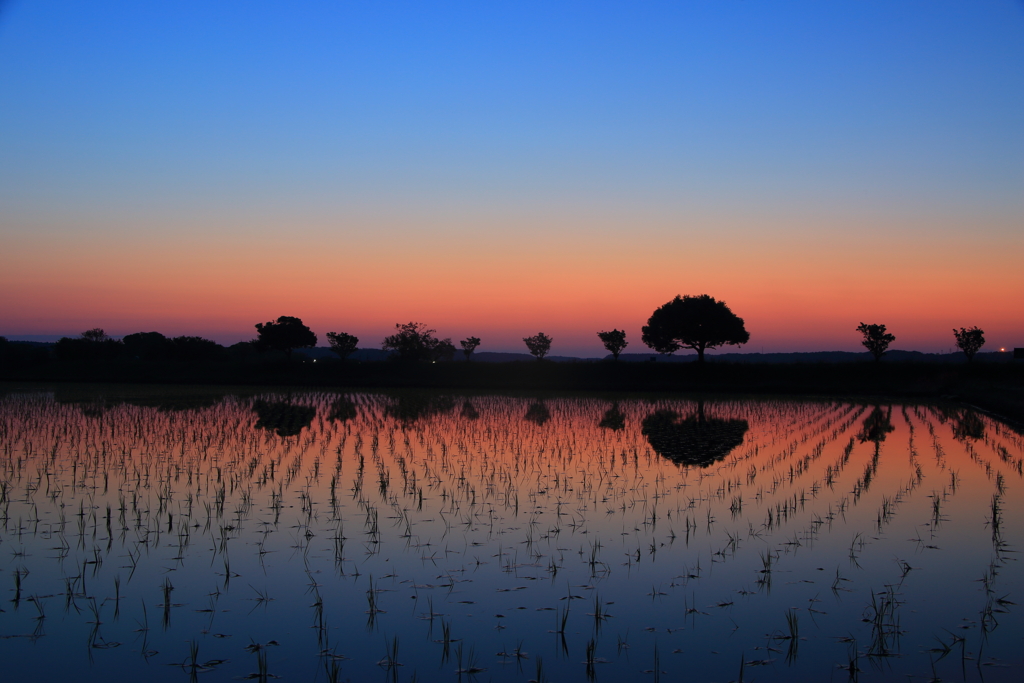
[537, 413]
[410, 407]
[876, 426]
[968, 426]
[343, 409]
[874, 429]
[286, 419]
[613, 419]
[469, 411]
[97, 407]
[695, 439]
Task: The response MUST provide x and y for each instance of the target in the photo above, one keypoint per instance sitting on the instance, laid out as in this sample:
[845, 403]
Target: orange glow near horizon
[795, 293]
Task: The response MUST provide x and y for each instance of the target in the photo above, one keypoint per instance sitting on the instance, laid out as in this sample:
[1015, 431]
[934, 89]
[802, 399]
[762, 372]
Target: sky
[503, 168]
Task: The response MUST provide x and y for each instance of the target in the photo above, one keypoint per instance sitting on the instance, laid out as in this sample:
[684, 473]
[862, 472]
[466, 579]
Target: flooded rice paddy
[317, 536]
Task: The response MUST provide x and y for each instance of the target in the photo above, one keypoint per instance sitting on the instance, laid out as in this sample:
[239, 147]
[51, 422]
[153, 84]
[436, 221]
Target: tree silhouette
[443, 350]
[195, 348]
[147, 345]
[412, 342]
[539, 345]
[876, 339]
[342, 343]
[693, 322]
[694, 440]
[969, 340]
[614, 341]
[96, 334]
[469, 345]
[284, 334]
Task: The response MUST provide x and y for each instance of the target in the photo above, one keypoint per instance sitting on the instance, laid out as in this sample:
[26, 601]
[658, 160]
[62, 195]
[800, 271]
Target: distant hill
[800, 357]
[817, 357]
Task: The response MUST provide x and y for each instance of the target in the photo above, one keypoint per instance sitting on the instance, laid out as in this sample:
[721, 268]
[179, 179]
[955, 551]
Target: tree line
[700, 323]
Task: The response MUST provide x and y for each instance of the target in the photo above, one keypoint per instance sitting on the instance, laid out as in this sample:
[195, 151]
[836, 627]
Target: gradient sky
[504, 168]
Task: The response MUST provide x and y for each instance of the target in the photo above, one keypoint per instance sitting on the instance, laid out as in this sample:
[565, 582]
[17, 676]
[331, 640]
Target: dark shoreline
[997, 389]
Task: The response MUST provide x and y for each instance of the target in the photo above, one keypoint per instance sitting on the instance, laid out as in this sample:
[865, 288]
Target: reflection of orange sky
[794, 293]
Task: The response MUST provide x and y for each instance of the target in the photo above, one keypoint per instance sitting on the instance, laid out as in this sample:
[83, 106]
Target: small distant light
[1002, 350]
[314, 360]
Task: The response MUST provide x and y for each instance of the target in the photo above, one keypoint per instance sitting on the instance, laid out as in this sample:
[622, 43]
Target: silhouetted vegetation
[539, 345]
[416, 342]
[343, 343]
[285, 334]
[153, 346]
[694, 322]
[614, 341]
[91, 345]
[694, 440]
[96, 334]
[469, 346]
[969, 340]
[876, 339]
[444, 350]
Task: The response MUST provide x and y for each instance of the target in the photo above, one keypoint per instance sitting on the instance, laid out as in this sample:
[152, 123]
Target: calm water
[175, 535]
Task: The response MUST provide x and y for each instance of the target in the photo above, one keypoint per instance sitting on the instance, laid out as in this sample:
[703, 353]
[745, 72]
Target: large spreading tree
[694, 322]
[284, 334]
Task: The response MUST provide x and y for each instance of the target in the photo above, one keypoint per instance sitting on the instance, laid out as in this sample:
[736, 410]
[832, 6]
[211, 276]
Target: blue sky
[347, 122]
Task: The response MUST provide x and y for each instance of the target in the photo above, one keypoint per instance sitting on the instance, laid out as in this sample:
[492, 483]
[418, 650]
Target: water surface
[180, 534]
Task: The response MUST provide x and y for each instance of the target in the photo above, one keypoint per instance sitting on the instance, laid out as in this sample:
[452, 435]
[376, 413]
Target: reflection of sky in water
[470, 508]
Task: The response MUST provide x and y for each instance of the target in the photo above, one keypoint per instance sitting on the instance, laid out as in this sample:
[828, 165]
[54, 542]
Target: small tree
[469, 346]
[876, 339]
[342, 343]
[614, 341]
[284, 334]
[539, 345]
[96, 334]
[412, 341]
[969, 340]
[694, 322]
